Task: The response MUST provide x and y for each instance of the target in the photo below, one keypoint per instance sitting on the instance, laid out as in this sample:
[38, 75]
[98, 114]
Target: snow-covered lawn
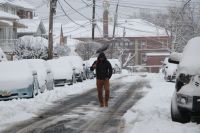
[152, 113]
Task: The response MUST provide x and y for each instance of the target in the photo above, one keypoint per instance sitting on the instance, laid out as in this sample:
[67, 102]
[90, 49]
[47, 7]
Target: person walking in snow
[103, 74]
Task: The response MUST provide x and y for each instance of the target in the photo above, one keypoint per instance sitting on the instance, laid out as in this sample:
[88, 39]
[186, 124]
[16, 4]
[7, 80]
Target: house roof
[32, 25]
[18, 3]
[132, 28]
[7, 16]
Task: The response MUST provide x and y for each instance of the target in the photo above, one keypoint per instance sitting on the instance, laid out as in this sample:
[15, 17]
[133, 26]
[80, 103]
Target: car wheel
[178, 115]
[35, 89]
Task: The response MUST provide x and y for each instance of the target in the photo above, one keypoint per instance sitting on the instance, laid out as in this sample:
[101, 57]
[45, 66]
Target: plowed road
[82, 114]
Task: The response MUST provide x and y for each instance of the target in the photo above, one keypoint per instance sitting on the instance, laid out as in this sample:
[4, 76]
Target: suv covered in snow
[186, 98]
[169, 70]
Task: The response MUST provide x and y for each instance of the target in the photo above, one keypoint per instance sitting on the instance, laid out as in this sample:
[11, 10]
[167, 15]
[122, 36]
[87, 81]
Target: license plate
[5, 93]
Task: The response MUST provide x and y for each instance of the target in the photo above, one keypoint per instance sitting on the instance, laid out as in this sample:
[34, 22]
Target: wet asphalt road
[82, 114]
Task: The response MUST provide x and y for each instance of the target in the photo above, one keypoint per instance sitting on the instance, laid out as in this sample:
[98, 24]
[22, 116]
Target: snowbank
[152, 113]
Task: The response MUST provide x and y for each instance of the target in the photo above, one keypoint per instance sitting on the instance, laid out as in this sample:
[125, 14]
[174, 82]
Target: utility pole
[50, 39]
[93, 20]
[115, 22]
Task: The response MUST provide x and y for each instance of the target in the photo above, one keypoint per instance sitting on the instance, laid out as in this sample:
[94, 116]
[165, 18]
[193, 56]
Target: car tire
[178, 115]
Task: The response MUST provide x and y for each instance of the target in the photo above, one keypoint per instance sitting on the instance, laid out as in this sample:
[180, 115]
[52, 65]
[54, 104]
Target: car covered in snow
[2, 56]
[17, 80]
[44, 73]
[116, 65]
[77, 65]
[169, 70]
[62, 72]
[186, 98]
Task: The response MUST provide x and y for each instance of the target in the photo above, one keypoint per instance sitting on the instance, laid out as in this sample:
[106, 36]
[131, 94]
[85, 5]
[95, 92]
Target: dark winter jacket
[103, 67]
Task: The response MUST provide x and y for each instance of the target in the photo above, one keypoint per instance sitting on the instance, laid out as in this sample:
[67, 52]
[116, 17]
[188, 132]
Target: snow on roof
[133, 28]
[190, 63]
[18, 3]
[32, 25]
[157, 54]
[8, 16]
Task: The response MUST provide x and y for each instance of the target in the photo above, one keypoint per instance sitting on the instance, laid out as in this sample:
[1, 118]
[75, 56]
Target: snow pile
[152, 113]
[190, 63]
[15, 74]
[2, 56]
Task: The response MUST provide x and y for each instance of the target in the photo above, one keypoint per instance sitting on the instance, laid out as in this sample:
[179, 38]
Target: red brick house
[135, 36]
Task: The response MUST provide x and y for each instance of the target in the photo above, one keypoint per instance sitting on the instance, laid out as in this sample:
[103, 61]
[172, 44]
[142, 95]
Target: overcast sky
[127, 8]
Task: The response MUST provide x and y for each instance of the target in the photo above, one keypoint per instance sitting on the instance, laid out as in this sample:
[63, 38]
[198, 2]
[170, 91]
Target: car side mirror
[175, 58]
[48, 71]
[34, 73]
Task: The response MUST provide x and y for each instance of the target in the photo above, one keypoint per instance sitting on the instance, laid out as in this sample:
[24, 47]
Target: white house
[34, 27]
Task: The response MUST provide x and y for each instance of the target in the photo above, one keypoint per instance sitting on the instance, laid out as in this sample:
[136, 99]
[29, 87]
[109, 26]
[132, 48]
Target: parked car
[2, 56]
[77, 65]
[116, 65]
[169, 70]
[44, 73]
[17, 80]
[186, 98]
[90, 74]
[62, 72]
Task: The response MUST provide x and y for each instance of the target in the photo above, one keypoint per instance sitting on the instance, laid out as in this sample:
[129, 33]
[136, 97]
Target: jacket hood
[102, 55]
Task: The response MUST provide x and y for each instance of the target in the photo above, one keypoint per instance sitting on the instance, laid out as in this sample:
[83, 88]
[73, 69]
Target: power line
[76, 10]
[66, 14]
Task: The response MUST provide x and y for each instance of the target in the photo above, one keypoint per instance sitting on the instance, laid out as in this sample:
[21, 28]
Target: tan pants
[106, 85]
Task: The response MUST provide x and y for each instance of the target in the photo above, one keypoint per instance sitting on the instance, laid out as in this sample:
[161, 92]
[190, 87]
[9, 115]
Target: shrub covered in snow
[29, 47]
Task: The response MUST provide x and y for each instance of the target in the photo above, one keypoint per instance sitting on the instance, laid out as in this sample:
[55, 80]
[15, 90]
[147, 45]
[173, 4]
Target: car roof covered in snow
[61, 69]
[15, 74]
[190, 63]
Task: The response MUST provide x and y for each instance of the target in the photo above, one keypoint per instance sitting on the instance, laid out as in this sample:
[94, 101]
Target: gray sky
[127, 8]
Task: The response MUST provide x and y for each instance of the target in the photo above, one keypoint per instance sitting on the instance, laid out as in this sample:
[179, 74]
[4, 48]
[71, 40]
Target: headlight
[184, 78]
[184, 99]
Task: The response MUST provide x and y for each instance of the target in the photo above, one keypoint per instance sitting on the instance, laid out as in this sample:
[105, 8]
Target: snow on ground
[152, 113]
[18, 110]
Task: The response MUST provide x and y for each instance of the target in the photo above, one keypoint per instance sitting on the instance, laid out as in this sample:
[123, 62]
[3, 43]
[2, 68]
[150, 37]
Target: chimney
[105, 18]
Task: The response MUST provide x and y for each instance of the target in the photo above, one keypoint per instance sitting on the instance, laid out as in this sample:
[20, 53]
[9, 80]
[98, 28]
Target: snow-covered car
[77, 65]
[90, 74]
[17, 80]
[169, 70]
[2, 56]
[44, 73]
[116, 65]
[62, 72]
[186, 99]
